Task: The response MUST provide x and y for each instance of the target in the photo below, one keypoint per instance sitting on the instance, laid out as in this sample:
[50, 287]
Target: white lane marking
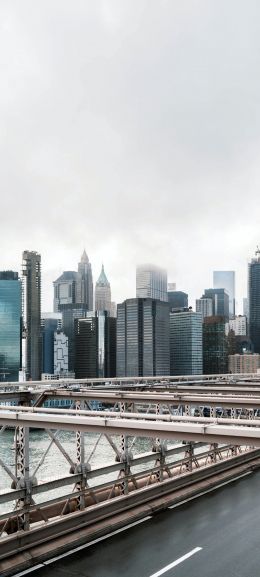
[26, 571]
[81, 547]
[209, 490]
[177, 562]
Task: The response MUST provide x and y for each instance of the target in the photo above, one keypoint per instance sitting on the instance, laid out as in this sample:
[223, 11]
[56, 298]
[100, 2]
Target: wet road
[216, 535]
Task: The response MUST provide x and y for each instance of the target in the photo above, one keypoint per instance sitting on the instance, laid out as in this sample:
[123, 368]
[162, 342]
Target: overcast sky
[130, 128]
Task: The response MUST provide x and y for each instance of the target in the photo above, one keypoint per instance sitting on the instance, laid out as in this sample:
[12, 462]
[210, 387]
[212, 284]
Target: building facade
[238, 325]
[151, 282]
[103, 293]
[10, 326]
[84, 285]
[215, 346]
[205, 307]
[177, 300]
[95, 346]
[50, 323]
[143, 338]
[225, 279]
[254, 300]
[31, 270]
[244, 364]
[75, 287]
[220, 301]
[186, 357]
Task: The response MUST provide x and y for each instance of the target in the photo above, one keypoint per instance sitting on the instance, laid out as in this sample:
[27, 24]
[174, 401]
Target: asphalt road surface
[216, 535]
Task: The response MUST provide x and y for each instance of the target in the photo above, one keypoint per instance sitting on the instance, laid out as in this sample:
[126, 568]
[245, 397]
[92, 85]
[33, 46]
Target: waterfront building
[254, 300]
[186, 356]
[31, 270]
[95, 346]
[177, 300]
[151, 282]
[215, 346]
[50, 323]
[143, 338]
[205, 307]
[102, 293]
[225, 279]
[10, 326]
[246, 363]
[220, 301]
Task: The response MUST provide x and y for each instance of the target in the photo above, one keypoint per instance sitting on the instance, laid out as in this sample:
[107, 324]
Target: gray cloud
[131, 128]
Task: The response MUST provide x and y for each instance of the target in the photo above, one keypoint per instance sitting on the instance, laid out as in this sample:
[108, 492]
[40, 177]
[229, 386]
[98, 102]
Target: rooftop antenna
[257, 252]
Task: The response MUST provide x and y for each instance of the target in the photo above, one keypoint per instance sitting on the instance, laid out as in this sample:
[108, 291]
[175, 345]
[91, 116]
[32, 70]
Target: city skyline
[121, 133]
[128, 289]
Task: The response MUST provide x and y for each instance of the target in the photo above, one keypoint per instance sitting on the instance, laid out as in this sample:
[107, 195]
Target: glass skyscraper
[32, 313]
[142, 338]
[254, 300]
[151, 282]
[10, 326]
[225, 279]
[186, 343]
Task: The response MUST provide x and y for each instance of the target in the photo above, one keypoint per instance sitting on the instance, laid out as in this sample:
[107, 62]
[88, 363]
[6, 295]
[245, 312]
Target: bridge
[137, 447]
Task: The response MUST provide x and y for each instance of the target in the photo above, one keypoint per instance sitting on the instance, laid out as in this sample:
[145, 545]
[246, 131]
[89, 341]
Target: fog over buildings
[131, 129]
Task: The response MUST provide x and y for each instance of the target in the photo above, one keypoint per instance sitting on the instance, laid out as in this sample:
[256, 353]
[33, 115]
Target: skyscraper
[65, 288]
[50, 323]
[75, 287]
[102, 293]
[220, 301]
[95, 346]
[142, 338]
[177, 300]
[31, 269]
[186, 343]
[215, 346]
[254, 300]
[84, 291]
[10, 326]
[205, 307]
[151, 282]
[225, 279]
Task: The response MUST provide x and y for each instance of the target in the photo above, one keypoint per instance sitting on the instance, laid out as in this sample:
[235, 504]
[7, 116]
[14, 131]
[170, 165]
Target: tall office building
[75, 287]
[151, 282]
[220, 301]
[50, 323]
[225, 279]
[215, 346]
[238, 325]
[71, 312]
[205, 307]
[61, 358]
[186, 343]
[177, 300]
[95, 346]
[31, 270]
[102, 293]
[10, 326]
[143, 338]
[65, 289]
[85, 283]
[254, 300]
[246, 307]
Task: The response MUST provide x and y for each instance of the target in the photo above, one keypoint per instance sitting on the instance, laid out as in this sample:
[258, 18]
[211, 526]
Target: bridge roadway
[215, 534]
